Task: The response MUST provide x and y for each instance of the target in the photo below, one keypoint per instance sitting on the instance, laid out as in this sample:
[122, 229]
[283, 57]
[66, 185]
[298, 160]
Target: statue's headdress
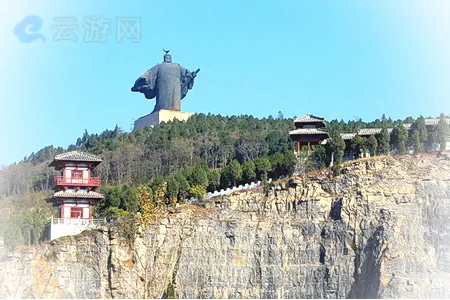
[167, 56]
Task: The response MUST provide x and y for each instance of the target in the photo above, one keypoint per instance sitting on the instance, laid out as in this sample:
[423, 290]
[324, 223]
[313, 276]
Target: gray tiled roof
[363, 132]
[78, 156]
[348, 136]
[308, 119]
[369, 131]
[308, 131]
[435, 121]
[79, 194]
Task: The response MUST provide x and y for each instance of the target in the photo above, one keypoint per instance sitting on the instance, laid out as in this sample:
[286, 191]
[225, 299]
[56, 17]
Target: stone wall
[160, 116]
[378, 230]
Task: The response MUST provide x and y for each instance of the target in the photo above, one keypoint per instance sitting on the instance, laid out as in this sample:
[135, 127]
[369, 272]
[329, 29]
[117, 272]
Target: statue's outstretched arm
[146, 83]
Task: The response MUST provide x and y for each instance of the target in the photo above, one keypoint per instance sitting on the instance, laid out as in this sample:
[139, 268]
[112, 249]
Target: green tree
[130, 201]
[262, 167]
[172, 190]
[337, 147]
[213, 180]
[408, 120]
[399, 137]
[359, 144]
[372, 144]
[277, 142]
[419, 135]
[443, 131]
[198, 176]
[319, 155]
[225, 178]
[112, 213]
[248, 172]
[383, 141]
[112, 196]
[183, 186]
[235, 171]
[276, 162]
[414, 140]
[30, 229]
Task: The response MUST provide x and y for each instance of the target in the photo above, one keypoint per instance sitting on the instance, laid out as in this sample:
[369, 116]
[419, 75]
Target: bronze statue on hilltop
[168, 82]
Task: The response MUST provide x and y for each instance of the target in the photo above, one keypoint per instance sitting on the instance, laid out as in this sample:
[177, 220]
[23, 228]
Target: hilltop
[204, 154]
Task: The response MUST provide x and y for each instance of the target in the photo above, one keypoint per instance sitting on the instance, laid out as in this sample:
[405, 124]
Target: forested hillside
[174, 160]
[209, 140]
[138, 157]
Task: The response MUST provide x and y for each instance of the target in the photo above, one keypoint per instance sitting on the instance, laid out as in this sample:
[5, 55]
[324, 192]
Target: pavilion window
[77, 174]
[76, 212]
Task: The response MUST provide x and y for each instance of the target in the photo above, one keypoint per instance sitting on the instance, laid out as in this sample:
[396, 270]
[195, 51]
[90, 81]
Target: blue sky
[343, 59]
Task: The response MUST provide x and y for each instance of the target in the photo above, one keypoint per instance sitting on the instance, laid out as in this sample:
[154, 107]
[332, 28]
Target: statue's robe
[168, 83]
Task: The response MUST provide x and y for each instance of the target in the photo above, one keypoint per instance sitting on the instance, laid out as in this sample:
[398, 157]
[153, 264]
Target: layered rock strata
[380, 230]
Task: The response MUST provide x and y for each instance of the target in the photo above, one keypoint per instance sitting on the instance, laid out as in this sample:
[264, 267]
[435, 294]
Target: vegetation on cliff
[206, 153]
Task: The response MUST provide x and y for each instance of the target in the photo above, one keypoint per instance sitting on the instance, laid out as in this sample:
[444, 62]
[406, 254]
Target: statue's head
[167, 58]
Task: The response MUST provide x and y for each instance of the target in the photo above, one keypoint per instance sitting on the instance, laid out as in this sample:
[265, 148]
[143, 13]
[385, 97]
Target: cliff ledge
[380, 230]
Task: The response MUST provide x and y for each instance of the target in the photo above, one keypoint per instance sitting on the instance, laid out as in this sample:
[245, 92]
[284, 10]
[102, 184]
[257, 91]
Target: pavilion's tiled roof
[348, 136]
[369, 131]
[372, 131]
[435, 121]
[308, 119]
[77, 156]
[300, 131]
[78, 194]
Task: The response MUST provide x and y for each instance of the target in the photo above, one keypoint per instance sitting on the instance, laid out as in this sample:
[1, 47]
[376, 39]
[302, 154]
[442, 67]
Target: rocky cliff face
[380, 230]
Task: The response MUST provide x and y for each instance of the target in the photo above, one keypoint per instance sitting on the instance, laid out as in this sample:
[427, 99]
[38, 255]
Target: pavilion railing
[68, 221]
[91, 181]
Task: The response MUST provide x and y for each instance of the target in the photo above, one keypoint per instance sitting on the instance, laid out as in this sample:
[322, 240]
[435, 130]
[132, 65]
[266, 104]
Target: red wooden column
[299, 146]
[62, 210]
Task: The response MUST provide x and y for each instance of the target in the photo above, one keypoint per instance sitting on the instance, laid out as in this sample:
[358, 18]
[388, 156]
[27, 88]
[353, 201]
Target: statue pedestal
[161, 116]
